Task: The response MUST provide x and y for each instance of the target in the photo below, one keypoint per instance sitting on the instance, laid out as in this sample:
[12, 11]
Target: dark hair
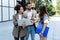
[43, 11]
[19, 2]
[17, 7]
[28, 3]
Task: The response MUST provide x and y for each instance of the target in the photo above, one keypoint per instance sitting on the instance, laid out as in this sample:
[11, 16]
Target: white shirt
[20, 16]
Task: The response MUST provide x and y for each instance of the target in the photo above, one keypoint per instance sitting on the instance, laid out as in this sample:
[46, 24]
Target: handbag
[39, 29]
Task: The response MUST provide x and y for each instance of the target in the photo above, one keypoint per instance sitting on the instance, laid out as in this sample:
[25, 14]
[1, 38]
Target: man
[30, 14]
[32, 4]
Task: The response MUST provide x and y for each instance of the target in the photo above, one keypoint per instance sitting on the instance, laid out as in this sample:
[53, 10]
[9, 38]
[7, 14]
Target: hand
[23, 25]
[32, 21]
[41, 34]
[32, 18]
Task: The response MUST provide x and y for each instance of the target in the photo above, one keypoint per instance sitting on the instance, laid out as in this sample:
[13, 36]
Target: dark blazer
[18, 31]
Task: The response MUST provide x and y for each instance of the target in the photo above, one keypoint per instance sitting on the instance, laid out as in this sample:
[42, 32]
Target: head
[19, 2]
[19, 9]
[43, 11]
[28, 5]
[31, 1]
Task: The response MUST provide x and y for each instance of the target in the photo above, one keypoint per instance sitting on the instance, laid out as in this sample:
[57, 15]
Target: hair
[43, 11]
[28, 3]
[17, 7]
[19, 2]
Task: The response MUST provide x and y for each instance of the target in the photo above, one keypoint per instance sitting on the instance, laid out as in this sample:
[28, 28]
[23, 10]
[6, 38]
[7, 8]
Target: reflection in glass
[5, 13]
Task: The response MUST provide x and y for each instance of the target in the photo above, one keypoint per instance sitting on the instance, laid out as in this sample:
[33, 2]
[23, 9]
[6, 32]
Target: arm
[15, 21]
[45, 24]
[35, 17]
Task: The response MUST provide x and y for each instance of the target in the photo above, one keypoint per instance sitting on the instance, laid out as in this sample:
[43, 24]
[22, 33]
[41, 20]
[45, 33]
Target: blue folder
[39, 29]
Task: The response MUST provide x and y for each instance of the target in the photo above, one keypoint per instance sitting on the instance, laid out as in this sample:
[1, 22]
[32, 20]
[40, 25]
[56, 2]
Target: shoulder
[34, 10]
[14, 15]
[45, 16]
[46, 19]
[25, 11]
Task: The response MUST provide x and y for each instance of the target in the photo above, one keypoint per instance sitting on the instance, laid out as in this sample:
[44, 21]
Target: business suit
[18, 31]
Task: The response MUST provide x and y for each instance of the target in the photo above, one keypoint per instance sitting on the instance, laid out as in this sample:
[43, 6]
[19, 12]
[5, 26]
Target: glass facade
[11, 3]
[7, 9]
[11, 13]
[4, 2]
[0, 2]
[0, 13]
[5, 13]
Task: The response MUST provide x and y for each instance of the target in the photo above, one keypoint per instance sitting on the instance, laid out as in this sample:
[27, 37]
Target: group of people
[22, 32]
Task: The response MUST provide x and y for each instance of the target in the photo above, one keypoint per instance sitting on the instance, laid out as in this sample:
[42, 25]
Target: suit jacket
[18, 31]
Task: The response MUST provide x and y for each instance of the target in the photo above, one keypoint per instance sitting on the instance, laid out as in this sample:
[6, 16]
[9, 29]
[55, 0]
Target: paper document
[26, 21]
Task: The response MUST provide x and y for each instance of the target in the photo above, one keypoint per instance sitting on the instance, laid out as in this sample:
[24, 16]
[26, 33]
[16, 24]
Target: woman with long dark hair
[43, 19]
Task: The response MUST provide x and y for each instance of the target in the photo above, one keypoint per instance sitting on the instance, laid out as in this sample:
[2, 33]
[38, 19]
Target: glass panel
[5, 13]
[5, 2]
[15, 2]
[15, 12]
[0, 13]
[11, 3]
[11, 13]
[0, 2]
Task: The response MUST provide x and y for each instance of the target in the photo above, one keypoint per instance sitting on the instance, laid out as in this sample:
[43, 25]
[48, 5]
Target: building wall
[7, 9]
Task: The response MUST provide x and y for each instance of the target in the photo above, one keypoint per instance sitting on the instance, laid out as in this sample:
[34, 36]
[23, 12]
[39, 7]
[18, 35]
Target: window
[15, 3]
[0, 2]
[5, 13]
[0, 13]
[11, 3]
[5, 2]
[11, 13]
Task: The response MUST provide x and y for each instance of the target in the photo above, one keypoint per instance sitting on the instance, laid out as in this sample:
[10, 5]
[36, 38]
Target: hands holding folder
[23, 25]
[24, 22]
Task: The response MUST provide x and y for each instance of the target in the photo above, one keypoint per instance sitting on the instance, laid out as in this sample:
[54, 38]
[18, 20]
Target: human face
[29, 6]
[21, 10]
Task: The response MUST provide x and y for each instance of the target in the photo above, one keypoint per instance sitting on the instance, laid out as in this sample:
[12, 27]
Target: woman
[18, 31]
[43, 19]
